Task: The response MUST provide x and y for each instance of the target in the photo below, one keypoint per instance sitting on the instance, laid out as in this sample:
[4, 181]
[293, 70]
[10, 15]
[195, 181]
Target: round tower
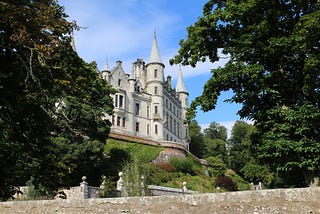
[154, 86]
[184, 100]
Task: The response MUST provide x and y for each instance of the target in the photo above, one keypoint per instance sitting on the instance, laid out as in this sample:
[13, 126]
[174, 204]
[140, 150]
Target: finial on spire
[106, 65]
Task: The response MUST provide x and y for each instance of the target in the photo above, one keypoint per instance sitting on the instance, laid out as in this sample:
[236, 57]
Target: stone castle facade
[146, 104]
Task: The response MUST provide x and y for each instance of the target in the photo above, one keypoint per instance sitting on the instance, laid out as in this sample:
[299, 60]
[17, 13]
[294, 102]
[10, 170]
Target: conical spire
[106, 65]
[154, 55]
[180, 83]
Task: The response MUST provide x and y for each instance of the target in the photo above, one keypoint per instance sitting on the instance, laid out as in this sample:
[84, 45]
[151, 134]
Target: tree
[216, 131]
[51, 101]
[240, 145]
[196, 145]
[273, 70]
[215, 140]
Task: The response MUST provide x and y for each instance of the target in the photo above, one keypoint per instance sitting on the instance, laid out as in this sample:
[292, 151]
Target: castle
[145, 104]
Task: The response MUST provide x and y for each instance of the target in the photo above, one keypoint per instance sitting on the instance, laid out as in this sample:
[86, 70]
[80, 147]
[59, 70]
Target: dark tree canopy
[51, 101]
[273, 70]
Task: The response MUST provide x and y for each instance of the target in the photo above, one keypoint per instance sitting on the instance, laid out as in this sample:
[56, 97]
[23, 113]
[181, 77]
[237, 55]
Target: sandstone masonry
[304, 200]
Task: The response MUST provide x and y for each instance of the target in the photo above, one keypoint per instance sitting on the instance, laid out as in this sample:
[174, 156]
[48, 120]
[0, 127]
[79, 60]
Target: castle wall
[303, 200]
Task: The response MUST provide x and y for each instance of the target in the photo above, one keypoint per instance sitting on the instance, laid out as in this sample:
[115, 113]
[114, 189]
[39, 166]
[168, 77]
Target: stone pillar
[84, 187]
[120, 185]
[103, 184]
[184, 188]
[142, 186]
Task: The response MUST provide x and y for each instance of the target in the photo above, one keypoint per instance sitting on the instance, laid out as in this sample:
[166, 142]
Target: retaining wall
[304, 200]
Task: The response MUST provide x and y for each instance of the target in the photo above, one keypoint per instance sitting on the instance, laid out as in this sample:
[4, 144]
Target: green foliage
[184, 165]
[216, 131]
[51, 101]
[144, 153]
[241, 183]
[108, 190]
[273, 69]
[215, 140]
[35, 192]
[196, 145]
[240, 143]
[217, 166]
[215, 147]
[136, 177]
[254, 172]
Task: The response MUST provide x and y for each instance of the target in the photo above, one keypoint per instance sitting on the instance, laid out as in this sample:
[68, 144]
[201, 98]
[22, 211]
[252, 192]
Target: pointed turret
[106, 65]
[154, 55]
[180, 83]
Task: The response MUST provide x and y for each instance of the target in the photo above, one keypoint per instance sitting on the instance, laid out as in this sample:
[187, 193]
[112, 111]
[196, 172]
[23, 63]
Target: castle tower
[105, 73]
[154, 86]
[183, 98]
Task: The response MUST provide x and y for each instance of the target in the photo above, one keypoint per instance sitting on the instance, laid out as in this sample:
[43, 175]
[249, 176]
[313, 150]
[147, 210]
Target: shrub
[167, 167]
[109, 187]
[218, 167]
[226, 183]
[184, 165]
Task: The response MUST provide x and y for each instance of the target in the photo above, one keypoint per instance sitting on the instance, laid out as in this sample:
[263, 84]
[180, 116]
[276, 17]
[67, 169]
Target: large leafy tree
[215, 140]
[51, 102]
[239, 145]
[243, 157]
[196, 145]
[273, 71]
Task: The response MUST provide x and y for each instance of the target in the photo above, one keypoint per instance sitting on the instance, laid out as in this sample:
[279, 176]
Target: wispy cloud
[123, 30]
[119, 30]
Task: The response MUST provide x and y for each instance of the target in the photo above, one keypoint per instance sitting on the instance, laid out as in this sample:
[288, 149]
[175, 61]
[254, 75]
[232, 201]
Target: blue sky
[123, 30]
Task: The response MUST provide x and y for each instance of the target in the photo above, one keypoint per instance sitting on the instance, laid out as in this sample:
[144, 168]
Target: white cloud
[123, 30]
[201, 68]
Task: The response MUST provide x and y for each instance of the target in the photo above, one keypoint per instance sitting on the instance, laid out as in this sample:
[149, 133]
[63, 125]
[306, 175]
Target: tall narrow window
[155, 73]
[123, 122]
[116, 100]
[137, 109]
[148, 111]
[156, 129]
[120, 101]
[148, 129]
[137, 127]
[118, 121]
[119, 82]
[156, 109]
[156, 90]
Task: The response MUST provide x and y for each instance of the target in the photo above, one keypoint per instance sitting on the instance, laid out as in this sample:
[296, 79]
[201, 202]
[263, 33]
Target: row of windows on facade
[121, 121]
[119, 103]
[171, 125]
